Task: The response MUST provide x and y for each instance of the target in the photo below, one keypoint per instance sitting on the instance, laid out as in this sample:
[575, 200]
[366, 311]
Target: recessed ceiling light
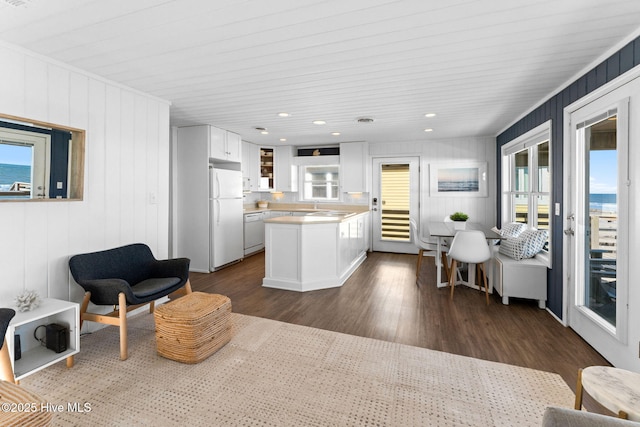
[428, 130]
[319, 122]
[264, 132]
[430, 115]
[283, 114]
[335, 133]
[283, 139]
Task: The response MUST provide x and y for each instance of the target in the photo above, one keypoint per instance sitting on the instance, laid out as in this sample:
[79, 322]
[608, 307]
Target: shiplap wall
[126, 166]
[454, 151]
[552, 109]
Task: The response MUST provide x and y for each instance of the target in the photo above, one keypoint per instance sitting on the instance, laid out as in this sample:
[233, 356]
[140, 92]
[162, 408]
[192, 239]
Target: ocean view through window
[15, 171]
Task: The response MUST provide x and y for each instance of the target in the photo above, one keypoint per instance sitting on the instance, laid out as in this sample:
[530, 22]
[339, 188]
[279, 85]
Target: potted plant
[459, 220]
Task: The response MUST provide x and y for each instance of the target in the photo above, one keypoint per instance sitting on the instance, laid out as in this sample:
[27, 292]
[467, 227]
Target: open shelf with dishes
[266, 168]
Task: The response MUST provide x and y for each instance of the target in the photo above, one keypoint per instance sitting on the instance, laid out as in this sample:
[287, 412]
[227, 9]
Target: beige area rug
[278, 374]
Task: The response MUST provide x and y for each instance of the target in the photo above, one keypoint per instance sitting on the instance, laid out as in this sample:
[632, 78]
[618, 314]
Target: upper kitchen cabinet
[286, 173]
[225, 145]
[250, 171]
[354, 167]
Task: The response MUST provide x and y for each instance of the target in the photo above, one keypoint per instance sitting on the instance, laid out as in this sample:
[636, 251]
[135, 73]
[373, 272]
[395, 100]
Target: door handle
[569, 232]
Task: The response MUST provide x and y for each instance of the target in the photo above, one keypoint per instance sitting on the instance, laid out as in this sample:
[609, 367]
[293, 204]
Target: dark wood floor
[381, 300]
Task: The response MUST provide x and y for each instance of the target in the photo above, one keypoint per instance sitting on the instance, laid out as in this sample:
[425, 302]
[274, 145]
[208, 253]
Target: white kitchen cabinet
[224, 145]
[234, 147]
[35, 356]
[250, 166]
[304, 256]
[354, 167]
[352, 240]
[286, 173]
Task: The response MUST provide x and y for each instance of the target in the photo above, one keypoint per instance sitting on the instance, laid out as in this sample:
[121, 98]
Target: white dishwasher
[253, 232]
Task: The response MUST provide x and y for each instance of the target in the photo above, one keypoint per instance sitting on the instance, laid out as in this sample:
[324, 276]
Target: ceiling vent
[16, 3]
[365, 120]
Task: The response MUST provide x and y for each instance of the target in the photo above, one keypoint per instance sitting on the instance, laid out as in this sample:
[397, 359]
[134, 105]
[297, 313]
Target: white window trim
[301, 180]
[529, 139]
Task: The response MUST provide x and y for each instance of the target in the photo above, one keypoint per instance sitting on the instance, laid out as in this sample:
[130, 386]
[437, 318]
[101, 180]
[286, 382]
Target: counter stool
[193, 327]
[616, 389]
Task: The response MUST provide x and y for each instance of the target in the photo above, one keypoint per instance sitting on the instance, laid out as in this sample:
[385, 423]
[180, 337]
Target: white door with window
[596, 241]
[395, 199]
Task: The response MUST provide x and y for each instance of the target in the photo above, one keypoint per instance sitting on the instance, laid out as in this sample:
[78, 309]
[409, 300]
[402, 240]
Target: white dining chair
[425, 248]
[469, 246]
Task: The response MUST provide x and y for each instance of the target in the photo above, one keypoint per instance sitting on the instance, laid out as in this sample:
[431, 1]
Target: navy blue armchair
[128, 277]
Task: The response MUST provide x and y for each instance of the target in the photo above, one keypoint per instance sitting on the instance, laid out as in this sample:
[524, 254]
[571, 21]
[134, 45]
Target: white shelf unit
[34, 355]
[525, 278]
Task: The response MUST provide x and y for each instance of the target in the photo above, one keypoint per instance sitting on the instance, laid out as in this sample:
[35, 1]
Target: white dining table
[446, 230]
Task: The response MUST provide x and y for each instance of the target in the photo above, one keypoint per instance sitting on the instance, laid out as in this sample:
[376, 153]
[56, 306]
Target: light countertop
[328, 217]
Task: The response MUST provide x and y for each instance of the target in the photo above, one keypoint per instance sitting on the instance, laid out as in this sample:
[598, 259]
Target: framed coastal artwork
[458, 179]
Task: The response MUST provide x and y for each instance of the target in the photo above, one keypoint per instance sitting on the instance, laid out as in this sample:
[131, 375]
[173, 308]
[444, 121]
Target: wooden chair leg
[486, 285]
[578, 403]
[185, 290]
[452, 278]
[419, 265]
[445, 264]
[84, 306]
[6, 369]
[122, 307]
[152, 306]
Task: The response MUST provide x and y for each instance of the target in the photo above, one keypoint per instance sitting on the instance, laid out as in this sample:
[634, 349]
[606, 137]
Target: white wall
[455, 150]
[126, 163]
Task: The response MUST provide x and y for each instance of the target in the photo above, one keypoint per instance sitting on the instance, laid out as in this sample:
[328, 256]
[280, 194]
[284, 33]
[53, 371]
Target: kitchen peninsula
[316, 251]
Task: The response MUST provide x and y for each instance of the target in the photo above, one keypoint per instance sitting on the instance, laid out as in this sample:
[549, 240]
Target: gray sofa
[562, 417]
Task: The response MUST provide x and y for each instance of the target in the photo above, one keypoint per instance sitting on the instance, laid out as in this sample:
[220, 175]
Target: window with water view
[15, 171]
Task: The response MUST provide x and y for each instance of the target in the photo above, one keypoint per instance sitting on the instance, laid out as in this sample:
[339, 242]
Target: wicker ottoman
[27, 407]
[193, 327]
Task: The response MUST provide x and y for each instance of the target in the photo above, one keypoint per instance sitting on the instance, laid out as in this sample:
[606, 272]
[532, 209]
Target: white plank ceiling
[477, 64]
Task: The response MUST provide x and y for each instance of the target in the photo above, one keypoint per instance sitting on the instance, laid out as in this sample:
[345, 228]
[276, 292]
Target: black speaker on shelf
[56, 337]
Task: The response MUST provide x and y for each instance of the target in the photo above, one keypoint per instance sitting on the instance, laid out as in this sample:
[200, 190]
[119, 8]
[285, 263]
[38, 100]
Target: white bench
[526, 278]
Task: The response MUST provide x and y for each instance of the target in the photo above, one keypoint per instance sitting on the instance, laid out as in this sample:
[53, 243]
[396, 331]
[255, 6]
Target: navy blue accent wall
[59, 155]
[617, 64]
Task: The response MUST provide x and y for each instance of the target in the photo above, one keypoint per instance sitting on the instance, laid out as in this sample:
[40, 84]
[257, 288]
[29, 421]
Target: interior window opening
[321, 183]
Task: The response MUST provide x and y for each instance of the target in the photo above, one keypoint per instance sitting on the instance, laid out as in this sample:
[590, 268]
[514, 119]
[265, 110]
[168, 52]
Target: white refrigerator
[226, 217]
